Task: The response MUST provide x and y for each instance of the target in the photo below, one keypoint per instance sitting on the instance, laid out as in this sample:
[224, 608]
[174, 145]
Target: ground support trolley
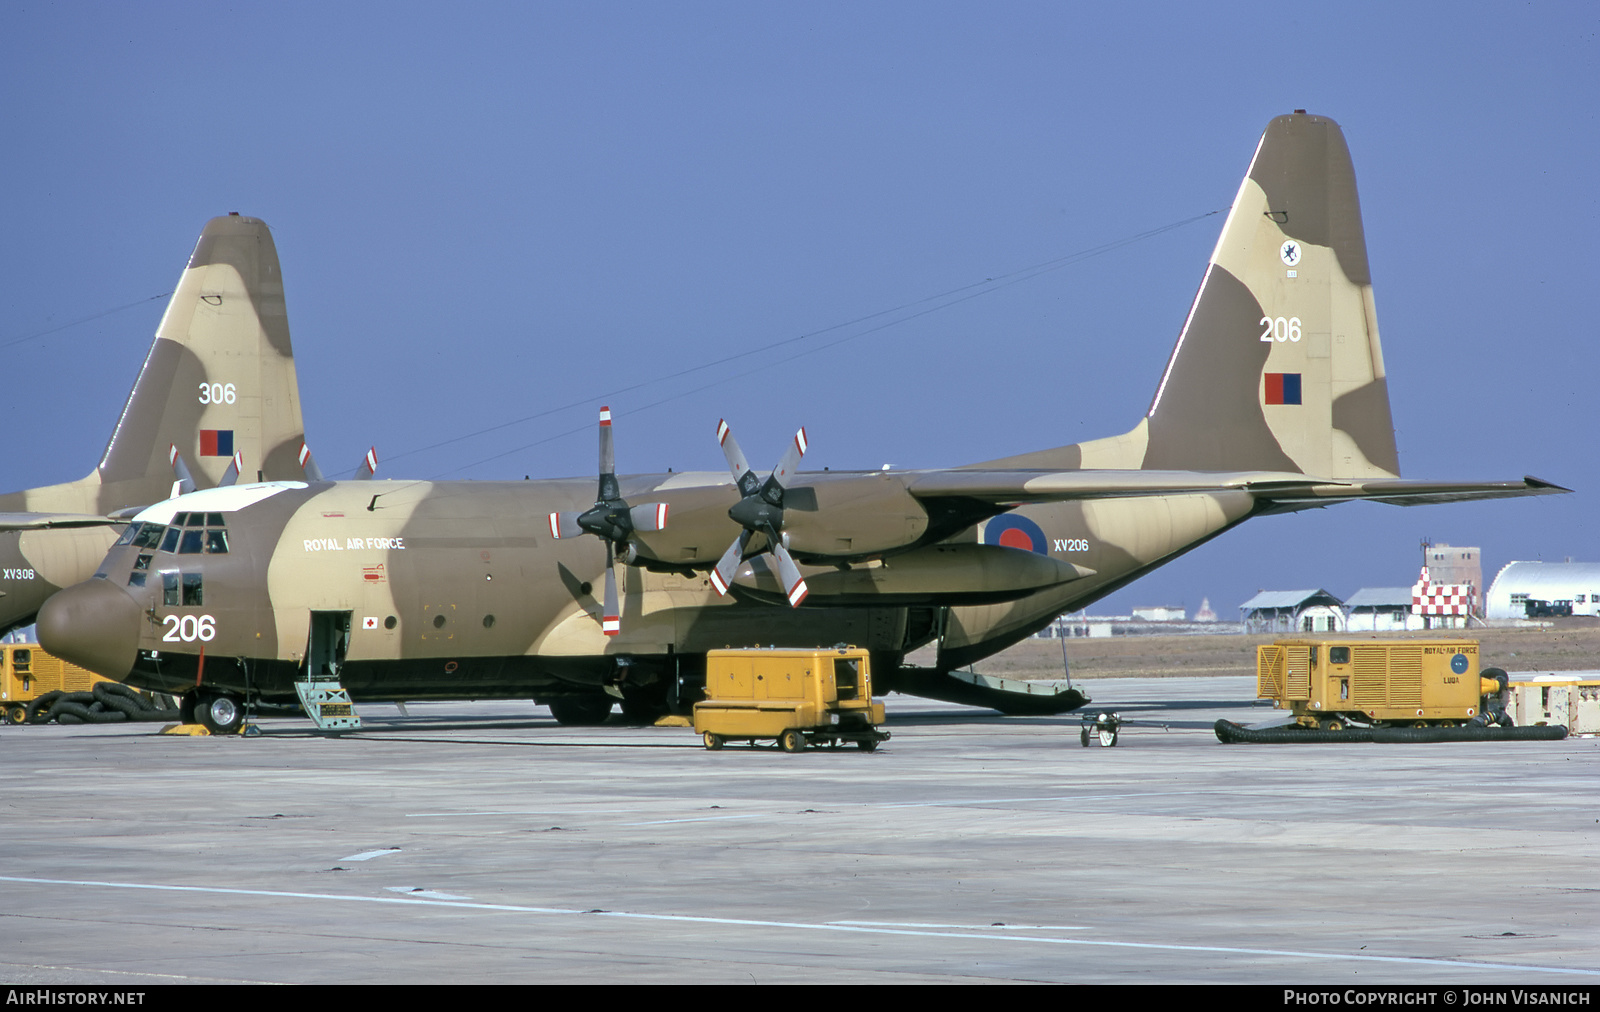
[793, 697]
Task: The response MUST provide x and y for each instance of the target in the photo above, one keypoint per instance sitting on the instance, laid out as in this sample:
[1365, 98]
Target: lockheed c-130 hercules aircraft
[1274, 400]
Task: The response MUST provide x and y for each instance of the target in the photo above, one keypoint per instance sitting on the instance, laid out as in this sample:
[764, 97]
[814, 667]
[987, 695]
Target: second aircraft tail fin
[217, 386]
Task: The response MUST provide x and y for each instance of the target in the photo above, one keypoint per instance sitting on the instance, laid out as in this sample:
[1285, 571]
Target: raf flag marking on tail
[216, 442]
[1283, 388]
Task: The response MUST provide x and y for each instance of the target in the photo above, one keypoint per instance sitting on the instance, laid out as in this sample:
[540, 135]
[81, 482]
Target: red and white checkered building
[1443, 599]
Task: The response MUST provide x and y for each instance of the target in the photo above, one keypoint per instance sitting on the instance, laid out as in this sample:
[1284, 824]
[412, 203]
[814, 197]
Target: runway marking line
[367, 855]
[804, 926]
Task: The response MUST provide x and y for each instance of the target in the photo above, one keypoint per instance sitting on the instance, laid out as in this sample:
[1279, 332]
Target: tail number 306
[188, 628]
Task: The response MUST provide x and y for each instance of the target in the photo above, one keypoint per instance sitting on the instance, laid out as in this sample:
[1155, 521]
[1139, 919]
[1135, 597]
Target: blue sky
[488, 212]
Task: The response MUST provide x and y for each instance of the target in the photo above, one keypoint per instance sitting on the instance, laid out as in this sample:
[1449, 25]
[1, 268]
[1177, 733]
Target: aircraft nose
[94, 624]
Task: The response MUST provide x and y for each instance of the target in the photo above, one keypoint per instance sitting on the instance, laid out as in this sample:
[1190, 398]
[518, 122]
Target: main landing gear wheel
[792, 741]
[867, 746]
[220, 713]
[581, 711]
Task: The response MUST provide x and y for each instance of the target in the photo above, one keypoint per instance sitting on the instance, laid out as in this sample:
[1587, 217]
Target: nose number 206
[188, 628]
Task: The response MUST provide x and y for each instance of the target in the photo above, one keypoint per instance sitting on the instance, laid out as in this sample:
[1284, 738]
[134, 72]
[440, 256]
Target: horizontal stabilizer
[46, 521]
[1007, 489]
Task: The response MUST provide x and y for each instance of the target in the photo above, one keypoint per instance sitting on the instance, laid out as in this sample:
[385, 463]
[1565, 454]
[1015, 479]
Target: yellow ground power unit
[27, 672]
[1329, 684]
[795, 697]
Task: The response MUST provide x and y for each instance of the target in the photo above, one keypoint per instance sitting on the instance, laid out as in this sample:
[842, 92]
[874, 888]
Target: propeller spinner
[611, 520]
[760, 511]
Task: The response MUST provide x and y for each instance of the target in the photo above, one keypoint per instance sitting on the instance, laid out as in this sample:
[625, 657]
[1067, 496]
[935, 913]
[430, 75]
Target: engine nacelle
[964, 573]
[851, 517]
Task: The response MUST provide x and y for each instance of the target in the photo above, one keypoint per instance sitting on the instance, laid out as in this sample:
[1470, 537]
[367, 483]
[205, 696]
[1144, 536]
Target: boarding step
[328, 705]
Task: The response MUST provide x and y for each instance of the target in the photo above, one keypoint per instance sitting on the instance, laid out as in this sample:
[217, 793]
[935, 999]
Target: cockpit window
[190, 534]
[149, 535]
[127, 535]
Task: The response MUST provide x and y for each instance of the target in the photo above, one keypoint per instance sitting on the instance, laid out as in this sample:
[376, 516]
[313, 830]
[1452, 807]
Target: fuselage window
[169, 589]
[192, 591]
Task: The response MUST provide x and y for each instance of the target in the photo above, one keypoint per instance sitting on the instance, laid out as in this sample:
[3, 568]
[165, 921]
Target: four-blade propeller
[611, 520]
[760, 511]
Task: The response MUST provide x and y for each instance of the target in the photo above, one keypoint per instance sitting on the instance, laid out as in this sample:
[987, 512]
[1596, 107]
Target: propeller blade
[742, 475]
[608, 460]
[235, 466]
[791, 459]
[650, 516]
[368, 466]
[794, 585]
[309, 466]
[722, 576]
[611, 619]
[565, 525]
[185, 481]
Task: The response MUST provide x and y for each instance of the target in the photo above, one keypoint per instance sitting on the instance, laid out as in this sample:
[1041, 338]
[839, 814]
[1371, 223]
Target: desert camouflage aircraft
[217, 394]
[1274, 400]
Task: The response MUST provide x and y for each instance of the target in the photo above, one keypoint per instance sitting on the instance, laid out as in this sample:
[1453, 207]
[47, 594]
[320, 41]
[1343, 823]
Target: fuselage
[457, 590]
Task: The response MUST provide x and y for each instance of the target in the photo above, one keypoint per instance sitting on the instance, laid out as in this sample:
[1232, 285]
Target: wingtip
[1540, 483]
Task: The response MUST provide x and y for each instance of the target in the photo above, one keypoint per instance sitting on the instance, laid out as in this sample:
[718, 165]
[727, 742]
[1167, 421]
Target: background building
[1293, 611]
[1381, 609]
[1536, 589]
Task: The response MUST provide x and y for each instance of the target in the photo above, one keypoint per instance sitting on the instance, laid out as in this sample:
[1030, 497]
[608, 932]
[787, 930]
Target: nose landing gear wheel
[220, 713]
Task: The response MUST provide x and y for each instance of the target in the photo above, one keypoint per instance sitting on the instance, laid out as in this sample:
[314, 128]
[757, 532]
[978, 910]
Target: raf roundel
[1012, 531]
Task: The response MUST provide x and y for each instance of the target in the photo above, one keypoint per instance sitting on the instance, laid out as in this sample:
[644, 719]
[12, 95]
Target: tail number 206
[188, 628]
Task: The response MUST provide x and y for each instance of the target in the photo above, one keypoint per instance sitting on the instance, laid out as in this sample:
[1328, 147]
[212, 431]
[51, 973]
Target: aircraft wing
[46, 521]
[1008, 489]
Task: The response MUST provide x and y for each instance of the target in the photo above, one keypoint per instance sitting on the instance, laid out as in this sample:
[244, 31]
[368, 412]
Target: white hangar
[1536, 589]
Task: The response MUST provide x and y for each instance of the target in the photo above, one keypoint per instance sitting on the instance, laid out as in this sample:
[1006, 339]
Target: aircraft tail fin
[217, 389]
[1278, 365]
